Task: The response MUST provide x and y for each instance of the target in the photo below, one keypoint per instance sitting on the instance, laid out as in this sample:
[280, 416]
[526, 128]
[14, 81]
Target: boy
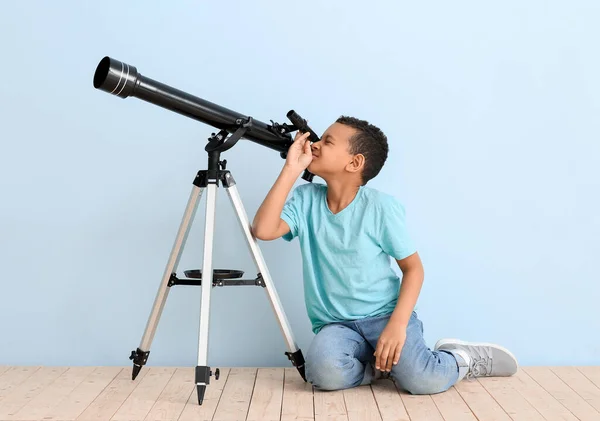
[361, 314]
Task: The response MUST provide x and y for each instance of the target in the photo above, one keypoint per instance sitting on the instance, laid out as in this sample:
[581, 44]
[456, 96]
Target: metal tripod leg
[140, 356]
[203, 372]
[294, 353]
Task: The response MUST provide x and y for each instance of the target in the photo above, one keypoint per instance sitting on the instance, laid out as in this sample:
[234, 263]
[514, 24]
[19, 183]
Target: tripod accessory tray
[217, 273]
[221, 278]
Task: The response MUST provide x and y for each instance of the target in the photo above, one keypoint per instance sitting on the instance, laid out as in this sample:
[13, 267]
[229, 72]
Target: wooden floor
[168, 393]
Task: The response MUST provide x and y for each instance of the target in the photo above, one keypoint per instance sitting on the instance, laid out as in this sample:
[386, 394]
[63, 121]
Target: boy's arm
[391, 341]
[412, 280]
[267, 224]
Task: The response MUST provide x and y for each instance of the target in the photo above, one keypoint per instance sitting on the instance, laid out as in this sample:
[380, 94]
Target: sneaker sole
[442, 342]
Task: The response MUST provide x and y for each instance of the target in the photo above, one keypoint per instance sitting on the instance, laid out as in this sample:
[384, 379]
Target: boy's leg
[419, 370]
[338, 359]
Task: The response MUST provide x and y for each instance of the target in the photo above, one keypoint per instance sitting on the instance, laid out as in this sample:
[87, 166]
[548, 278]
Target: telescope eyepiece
[115, 77]
[302, 125]
[298, 121]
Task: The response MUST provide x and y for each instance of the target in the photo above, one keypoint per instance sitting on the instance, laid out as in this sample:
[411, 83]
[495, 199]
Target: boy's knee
[328, 374]
[330, 362]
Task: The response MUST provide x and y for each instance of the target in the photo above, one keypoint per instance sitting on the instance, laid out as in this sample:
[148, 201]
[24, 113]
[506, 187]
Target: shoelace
[481, 362]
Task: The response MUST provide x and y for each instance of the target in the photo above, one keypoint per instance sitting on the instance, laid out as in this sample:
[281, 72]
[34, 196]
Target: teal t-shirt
[346, 256]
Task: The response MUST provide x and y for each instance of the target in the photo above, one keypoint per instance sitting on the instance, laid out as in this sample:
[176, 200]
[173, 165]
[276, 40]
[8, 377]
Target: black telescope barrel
[123, 80]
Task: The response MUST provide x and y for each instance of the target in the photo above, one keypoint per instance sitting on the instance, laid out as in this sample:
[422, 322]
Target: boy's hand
[389, 346]
[299, 154]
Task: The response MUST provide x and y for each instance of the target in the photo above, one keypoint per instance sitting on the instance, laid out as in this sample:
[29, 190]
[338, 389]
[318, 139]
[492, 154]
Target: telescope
[123, 80]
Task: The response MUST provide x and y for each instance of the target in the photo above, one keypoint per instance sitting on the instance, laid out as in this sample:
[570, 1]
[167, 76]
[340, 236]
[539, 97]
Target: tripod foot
[301, 371]
[298, 360]
[201, 389]
[136, 371]
[139, 358]
[203, 374]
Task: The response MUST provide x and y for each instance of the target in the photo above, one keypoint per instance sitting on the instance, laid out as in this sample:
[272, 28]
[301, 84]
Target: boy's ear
[357, 163]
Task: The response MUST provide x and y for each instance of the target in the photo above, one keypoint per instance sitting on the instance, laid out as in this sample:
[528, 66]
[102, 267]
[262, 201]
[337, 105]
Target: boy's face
[331, 156]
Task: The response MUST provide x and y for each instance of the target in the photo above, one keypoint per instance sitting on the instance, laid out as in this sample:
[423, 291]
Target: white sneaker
[482, 359]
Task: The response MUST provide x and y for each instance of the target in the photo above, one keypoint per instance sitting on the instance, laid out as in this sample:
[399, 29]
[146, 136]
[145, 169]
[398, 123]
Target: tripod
[209, 180]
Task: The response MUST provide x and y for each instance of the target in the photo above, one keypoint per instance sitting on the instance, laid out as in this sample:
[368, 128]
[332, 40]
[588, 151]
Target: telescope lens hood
[115, 77]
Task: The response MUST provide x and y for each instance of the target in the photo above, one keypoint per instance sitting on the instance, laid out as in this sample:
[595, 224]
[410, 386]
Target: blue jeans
[340, 354]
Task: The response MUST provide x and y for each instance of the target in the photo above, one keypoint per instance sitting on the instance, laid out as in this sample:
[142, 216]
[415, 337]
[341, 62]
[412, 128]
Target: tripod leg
[140, 356]
[203, 372]
[294, 354]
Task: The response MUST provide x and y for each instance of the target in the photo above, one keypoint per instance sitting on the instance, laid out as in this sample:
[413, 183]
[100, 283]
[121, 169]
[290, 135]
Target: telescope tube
[123, 80]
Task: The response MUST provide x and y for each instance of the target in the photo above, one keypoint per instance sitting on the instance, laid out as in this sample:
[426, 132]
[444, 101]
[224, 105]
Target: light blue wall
[492, 116]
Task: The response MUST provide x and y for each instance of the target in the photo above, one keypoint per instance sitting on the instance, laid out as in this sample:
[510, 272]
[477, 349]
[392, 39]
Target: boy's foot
[378, 374]
[482, 359]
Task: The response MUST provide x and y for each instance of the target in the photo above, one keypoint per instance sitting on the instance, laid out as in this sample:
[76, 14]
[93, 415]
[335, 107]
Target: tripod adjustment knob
[223, 164]
[217, 373]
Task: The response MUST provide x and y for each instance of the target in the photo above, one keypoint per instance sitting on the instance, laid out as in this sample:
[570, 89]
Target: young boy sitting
[361, 313]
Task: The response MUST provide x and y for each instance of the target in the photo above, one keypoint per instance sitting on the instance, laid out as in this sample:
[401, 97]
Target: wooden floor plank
[539, 398]
[172, 400]
[13, 377]
[481, 403]
[592, 373]
[452, 406]
[329, 405]
[74, 403]
[212, 396]
[583, 386]
[274, 394]
[390, 404]
[235, 399]
[513, 403]
[563, 393]
[108, 401]
[361, 404]
[267, 397]
[298, 402]
[29, 389]
[42, 404]
[139, 403]
[420, 407]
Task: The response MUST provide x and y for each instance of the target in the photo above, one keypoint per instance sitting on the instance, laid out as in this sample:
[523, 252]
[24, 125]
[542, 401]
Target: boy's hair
[369, 141]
